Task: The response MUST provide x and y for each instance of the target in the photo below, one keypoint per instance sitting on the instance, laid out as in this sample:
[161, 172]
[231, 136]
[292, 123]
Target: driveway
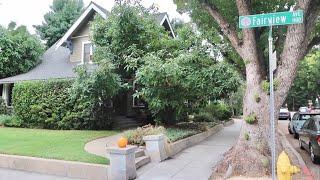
[196, 162]
[314, 168]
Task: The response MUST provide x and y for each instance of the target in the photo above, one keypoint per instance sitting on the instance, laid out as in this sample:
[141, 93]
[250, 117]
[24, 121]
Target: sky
[30, 12]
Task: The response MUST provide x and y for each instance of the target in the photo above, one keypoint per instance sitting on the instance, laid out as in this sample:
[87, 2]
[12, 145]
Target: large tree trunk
[251, 154]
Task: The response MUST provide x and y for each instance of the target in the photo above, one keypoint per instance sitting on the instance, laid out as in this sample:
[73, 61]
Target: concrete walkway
[194, 163]
[98, 146]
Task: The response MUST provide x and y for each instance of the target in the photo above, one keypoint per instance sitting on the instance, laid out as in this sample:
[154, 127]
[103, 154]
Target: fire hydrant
[284, 167]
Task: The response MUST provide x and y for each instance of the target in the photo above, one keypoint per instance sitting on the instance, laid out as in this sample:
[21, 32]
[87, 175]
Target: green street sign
[271, 19]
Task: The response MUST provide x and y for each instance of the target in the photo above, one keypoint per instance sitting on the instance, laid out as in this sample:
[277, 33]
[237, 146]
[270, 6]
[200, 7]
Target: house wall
[82, 35]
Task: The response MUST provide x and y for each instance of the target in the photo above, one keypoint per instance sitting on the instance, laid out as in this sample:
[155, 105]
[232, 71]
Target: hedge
[47, 104]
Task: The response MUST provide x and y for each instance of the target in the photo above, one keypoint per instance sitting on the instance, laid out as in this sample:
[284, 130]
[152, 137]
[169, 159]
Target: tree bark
[251, 154]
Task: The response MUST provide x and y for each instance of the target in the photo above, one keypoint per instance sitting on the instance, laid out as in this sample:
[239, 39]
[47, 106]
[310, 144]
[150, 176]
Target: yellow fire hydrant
[284, 167]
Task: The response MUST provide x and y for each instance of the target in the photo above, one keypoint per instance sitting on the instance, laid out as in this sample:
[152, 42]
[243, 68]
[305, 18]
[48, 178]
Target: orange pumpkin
[122, 142]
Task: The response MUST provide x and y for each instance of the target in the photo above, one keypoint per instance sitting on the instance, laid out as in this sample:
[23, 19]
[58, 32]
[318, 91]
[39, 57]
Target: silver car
[298, 119]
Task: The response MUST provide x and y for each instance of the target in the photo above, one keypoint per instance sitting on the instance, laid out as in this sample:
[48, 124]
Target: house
[72, 49]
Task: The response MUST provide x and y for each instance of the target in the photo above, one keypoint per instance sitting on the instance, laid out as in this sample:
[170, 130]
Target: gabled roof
[55, 64]
[161, 18]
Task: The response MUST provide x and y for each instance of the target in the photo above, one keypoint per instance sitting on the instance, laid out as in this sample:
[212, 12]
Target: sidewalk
[194, 163]
[98, 146]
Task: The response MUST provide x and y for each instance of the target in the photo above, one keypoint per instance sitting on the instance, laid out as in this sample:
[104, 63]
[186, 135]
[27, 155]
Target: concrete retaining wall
[176, 147]
[54, 167]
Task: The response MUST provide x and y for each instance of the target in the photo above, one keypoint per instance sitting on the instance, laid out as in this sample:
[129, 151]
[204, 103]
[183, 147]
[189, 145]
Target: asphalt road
[8, 174]
[314, 168]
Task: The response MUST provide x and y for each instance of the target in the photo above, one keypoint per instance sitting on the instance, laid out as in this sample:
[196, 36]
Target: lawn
[51, 144]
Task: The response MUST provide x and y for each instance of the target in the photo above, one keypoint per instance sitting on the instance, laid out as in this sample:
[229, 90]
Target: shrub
[203, 117]
[47, 104]
[9, 121]
[3, 107]
[41, 104]
[220, 111]
[251, 119]
[175, 134]
[246, 136]
[136, 136]
[199, 126]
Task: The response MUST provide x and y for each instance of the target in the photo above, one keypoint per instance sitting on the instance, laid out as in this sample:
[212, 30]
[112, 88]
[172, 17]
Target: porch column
[5, 93]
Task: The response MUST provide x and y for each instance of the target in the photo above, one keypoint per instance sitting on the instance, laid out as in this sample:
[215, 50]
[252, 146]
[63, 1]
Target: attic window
[87, 52]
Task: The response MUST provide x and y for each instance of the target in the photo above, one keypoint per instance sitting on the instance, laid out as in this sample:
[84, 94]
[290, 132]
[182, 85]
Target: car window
[311, 125]
[305, 125]
[295, 116]
[304, 117]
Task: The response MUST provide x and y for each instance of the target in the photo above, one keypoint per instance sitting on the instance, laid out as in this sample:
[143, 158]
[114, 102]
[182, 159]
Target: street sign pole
[271, 106]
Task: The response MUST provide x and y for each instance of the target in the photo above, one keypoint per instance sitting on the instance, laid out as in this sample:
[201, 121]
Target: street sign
[271, 19]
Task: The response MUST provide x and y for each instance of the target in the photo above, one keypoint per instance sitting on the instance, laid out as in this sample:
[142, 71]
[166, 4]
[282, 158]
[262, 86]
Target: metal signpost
[271, 19]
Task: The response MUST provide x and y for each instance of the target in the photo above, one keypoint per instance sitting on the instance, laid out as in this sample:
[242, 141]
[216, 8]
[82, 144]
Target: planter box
[174, 148]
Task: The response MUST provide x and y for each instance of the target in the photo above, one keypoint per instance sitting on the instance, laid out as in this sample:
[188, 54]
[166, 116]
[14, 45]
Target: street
[314, 168]
[8, 174]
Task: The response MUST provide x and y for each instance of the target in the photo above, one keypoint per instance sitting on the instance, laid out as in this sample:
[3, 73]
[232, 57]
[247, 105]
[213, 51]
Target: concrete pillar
[122, 163]
[155, 147]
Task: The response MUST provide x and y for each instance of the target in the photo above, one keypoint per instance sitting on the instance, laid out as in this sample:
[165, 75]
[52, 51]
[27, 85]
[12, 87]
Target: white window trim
[82, 52]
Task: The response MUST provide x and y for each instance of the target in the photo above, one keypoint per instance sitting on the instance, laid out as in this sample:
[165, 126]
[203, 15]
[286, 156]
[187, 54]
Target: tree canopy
[19, 50]
[247, 49]
[62, 14]
[306, 85]
[168, 71]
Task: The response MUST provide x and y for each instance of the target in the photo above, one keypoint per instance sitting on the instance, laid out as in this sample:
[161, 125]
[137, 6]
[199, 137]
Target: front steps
[123, 122]
[141, 158]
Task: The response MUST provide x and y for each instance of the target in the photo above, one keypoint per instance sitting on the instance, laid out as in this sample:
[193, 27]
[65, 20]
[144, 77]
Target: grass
[175, 134]
[51, 144]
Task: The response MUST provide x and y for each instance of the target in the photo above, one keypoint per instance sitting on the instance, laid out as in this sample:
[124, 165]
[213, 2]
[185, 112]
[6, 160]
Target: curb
[228, 123]
[62, 168]
[304, 169]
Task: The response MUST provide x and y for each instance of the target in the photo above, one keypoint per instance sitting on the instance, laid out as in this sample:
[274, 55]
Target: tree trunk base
[250, 157]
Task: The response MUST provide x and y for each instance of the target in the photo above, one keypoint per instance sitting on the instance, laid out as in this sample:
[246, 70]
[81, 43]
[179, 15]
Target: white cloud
[30, 12]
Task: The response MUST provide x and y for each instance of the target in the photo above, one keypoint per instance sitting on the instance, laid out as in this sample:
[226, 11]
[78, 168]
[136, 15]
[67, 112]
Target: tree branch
[226, 28]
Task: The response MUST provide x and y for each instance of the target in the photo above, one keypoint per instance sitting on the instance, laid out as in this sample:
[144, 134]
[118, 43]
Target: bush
[9, 121]
[198, 126]
[47, 104]
[203, 117]
[135, 136]
[220, 111]
[175, 134]
[3, 107]
[251, 119]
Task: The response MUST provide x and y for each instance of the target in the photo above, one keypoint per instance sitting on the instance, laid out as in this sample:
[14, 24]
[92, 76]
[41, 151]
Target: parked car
[309, 138]
[284, 113]
[298, 119]
[303, 109]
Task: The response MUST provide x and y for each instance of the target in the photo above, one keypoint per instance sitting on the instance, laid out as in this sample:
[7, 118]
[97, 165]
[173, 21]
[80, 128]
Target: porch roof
[55, 64]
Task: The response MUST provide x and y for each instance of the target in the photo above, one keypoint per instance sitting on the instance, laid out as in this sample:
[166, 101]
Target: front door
[120, 104]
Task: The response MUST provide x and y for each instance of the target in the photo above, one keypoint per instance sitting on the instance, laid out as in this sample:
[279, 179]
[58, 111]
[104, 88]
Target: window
[87, 52]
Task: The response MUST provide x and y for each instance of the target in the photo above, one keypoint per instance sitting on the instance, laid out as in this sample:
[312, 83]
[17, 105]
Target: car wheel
[300, 144]
[313, 157]
[290, 132]
[296, 135]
